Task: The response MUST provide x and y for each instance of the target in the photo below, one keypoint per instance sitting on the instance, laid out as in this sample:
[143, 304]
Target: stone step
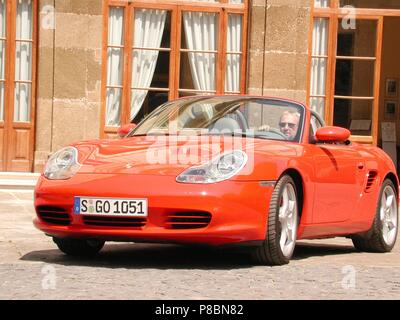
[16, 180]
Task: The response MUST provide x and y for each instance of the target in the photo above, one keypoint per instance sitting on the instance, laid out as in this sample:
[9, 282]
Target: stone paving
[32, 268]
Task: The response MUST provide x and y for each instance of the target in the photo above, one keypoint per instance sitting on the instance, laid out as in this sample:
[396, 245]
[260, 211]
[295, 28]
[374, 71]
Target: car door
[338, 170]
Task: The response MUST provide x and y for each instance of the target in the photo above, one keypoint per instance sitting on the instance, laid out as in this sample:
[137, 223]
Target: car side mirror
[332, 134]
[125, 129]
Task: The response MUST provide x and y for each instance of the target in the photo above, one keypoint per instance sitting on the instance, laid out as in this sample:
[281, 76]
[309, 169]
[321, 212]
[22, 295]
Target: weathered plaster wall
[278, 56]
[69, 76]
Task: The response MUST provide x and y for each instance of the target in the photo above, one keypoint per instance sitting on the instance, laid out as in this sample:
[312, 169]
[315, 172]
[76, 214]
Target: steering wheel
[273, 130]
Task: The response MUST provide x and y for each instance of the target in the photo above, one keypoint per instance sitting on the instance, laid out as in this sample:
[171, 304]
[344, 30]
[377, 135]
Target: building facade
[73, 70]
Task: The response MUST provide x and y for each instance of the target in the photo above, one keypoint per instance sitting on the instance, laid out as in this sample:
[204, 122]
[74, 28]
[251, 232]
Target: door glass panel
[115, 53]
[151, 53]
[23, 61]
[116, 26]
[152, 100]
[375, 4]
[358, 42]
[354, 78]
[198, 57]
[113, 110]
[2, 55]
[197, 71]
[234, 48]
[24, 20]
[319, 62]
[355, 115]
[114, 83]
[1, 101]
[321, 3]
[22, 102]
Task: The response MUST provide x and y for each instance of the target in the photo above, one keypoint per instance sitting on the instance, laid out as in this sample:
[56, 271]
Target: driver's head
[289, 124]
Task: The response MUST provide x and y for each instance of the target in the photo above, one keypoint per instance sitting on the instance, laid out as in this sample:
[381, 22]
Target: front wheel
[383, 233]
[79, 247]
[283, 220]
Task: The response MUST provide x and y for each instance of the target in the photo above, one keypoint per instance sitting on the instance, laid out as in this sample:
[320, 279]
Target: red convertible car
[221, 170]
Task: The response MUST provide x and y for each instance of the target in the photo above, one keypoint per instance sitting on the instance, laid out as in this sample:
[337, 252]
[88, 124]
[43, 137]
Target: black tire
[373, 241]
[79, 247]
[270, 252]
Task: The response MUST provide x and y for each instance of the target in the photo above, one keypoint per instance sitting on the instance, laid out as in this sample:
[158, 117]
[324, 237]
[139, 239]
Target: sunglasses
[290, 125]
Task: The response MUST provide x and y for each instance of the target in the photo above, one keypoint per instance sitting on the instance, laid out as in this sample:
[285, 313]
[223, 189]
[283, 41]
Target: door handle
[360, 165]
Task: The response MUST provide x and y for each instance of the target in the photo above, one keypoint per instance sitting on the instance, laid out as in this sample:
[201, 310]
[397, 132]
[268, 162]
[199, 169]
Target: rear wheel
[283, 219]
[383, 233]
[79, 247]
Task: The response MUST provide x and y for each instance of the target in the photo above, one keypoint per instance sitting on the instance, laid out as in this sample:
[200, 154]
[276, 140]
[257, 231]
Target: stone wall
[69, 75]
[278, 57]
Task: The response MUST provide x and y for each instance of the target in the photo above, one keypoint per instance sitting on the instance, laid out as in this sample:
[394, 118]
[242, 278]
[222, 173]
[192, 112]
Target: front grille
[54, 215]
[114, 221]
[188, 220]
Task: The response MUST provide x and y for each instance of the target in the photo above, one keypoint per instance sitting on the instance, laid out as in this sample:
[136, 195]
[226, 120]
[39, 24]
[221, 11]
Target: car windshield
[251, 117]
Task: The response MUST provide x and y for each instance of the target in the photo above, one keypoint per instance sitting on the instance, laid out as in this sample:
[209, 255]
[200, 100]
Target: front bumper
[238, 209]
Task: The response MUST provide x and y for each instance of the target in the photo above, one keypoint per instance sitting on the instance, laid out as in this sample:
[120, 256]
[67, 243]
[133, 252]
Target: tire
[383, 233]
[78, 247]
[275, 250]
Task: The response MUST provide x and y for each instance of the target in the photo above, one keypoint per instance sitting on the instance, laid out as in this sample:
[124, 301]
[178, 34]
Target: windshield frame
[181, 102]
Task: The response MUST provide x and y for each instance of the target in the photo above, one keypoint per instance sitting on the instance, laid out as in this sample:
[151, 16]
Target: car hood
[172, 155]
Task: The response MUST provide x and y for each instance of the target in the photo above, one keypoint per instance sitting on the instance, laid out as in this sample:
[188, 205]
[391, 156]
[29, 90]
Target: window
[16, 43]
[2, 56]
[345, 68]
[154, 53]
[18, 30]
[315, 124]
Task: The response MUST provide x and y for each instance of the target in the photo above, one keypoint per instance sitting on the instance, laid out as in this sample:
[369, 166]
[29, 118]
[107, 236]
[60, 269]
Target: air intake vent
[54, 215]
[114, 222]
[371, 178]
[188, 220]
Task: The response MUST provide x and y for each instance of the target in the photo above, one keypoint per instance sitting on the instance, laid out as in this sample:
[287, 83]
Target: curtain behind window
[319, 65]
[149, 29]
[2, 55]
[201, 33]
[23, 61]
[321, 3]
[114, 66]
[234, 44]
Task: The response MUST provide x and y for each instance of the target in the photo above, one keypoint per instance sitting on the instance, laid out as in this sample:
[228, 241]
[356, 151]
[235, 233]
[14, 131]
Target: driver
[289, 124]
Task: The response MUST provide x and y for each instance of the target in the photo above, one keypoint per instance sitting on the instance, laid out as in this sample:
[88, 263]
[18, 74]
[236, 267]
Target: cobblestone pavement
[32, 268]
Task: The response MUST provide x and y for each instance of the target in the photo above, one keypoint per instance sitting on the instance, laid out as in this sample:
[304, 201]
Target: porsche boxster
[257, 172]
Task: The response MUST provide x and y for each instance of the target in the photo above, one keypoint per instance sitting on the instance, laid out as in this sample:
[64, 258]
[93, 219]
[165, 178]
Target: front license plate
[110, 207]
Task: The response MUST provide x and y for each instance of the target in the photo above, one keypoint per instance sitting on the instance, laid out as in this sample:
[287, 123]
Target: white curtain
[321, 3]
[200, 33]
[2, 55]
[149, 29]
[319, 65]
[234, 44]
[23, 61]
[114, 66]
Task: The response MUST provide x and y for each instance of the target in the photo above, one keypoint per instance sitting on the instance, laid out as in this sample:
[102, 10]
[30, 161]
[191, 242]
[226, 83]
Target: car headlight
[63, 164]
[221, 168]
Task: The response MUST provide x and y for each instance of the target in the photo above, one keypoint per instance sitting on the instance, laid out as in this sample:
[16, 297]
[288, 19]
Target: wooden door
[17, 122]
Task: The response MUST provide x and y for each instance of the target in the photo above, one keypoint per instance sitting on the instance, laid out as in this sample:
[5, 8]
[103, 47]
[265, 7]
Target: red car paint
[336, 200]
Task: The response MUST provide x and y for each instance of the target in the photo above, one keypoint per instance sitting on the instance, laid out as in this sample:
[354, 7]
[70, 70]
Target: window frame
[176, 8]
[334, 13]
